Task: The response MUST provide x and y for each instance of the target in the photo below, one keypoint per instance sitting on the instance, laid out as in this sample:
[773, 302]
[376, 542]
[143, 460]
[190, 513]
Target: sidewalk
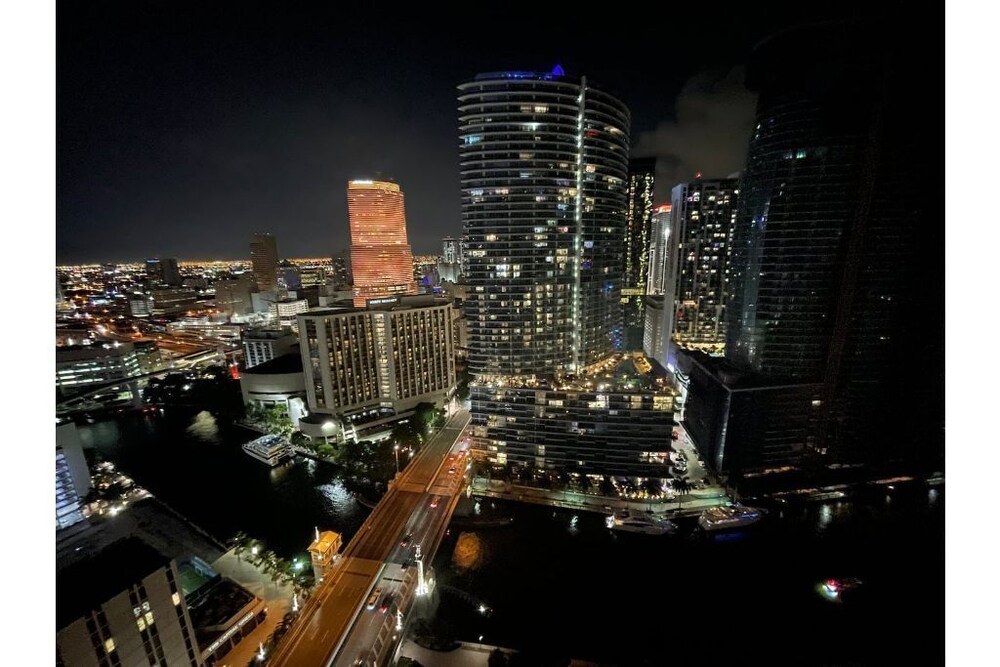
[692, 503]
[277, 598]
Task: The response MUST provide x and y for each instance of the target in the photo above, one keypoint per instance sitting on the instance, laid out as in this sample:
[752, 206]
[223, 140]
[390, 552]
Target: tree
[324, 450]
[405, 434]
[652, 486]
[607, 487]
[424, 415]
[585, 483]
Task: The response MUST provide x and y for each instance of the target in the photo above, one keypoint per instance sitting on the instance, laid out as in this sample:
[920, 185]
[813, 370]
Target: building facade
[163, 271]
[264, 258]
[656, 282]
[260, 345]
[79, 366]
[451, 250]
[638, 244]
[381, 258]
[836, 264]
[72, 476]
[544, 161]
[388, 357]
[285, 311]
[123, 607]
[232, 297]
[703, 214]
[604, 425]
[173, 300]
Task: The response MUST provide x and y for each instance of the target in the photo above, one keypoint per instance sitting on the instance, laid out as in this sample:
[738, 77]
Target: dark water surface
[739, 598]
[217, 486]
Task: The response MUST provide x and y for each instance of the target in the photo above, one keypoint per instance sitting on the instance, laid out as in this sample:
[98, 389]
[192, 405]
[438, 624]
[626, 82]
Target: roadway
[336, 625]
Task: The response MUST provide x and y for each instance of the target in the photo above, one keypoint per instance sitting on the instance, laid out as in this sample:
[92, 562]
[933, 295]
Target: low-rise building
[276, 382]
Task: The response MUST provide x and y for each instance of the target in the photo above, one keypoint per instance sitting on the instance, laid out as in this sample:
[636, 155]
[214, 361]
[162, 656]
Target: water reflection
[221, 489]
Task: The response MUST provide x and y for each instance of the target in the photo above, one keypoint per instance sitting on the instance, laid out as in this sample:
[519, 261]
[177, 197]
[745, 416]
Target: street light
[395, 450]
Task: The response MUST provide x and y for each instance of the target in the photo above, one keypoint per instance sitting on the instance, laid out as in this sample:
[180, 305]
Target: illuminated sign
[633, 291]
[230, 632]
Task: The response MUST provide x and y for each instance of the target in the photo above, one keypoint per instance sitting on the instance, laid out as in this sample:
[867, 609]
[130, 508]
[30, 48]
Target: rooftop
[283, 365]
[619, 372]
[86, 585]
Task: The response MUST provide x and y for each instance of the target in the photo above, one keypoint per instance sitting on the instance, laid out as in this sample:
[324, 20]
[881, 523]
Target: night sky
[183, 128]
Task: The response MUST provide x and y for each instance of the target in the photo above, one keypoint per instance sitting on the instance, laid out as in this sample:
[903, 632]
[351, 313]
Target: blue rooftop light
[558, 71]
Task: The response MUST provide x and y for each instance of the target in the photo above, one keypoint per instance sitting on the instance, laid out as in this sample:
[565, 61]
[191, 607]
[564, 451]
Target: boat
[270, 449]
[639, 523]
[720, 518]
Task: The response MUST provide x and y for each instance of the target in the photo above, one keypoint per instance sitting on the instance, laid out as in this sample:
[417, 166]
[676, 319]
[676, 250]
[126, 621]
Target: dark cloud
[709, 132]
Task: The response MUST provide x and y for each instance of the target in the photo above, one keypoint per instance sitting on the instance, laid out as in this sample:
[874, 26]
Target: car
[451, 470]
[434, 502]
[386, 601]
[405, 542]
[373, 598]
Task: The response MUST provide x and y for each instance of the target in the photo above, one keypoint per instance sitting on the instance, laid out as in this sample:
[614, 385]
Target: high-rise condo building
[451, 250]
[638, 240]
[381, 257]
[264, 257]
[836, 267]
[544, 162]
[703, 213]
[544, 171]
[656, 282]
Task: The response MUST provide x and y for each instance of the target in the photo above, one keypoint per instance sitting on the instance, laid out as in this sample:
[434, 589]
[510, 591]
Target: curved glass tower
[544, 161]
[381, 259]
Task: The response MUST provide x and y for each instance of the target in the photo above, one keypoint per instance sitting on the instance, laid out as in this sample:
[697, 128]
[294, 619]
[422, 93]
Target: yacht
[271, 449]
[720, 518]
[639, 523]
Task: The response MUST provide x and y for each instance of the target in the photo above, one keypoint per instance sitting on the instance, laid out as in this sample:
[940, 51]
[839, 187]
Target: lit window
[176, 598]
[109, 644]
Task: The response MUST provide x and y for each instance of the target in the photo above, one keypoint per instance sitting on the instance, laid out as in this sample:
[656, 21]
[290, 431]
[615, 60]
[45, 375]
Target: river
[744, 597]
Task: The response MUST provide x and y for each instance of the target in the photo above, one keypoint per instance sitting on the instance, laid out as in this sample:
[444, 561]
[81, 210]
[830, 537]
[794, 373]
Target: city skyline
[561, 293]
[190, 188]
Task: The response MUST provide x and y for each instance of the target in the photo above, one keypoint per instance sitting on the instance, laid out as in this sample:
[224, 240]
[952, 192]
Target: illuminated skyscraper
[656, 282]
[544, 161]
[703, 213]
[381, 258]
[451, 250]
[638, 233]
[544, 169]
[264, 256]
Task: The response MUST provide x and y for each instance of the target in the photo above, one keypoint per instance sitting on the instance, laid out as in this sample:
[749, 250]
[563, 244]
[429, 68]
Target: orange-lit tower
[381, 258]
